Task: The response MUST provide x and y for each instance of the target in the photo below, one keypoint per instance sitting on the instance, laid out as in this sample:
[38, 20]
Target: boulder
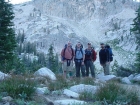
[7, 99]
[8, 103]
[137, 78]
[42, 90]
[71, 94]
[69, 102]
[126, 80]
[131, 77]
[49, 102]
[84, 88]
[45, 72]
[103, 77]
[3, 76]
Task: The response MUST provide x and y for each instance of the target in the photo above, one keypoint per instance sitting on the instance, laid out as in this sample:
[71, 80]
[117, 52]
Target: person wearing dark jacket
[90, 57]
[104, 59]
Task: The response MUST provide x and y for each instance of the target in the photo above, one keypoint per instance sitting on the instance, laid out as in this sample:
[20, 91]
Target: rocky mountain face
[46, 22]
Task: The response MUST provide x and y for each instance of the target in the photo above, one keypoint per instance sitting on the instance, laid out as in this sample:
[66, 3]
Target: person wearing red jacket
[90, 57]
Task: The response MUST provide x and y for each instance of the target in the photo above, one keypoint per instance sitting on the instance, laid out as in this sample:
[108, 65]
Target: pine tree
[136, 31]
[51, 59]
[137, 63]
[136, 26]
[56, 63]
[7, 34]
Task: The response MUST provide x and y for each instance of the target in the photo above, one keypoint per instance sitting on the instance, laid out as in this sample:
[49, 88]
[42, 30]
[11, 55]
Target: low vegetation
[112, 93]
[60, 83]
[18, 87]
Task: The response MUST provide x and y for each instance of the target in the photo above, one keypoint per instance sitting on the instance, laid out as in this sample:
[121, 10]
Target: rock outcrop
[45, 72]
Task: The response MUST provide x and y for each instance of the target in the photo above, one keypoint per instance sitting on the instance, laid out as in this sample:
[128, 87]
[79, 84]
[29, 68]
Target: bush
[124, 72]
[113, 93]
[60, 83]
[18, 87]
[87, 96]
[108, 91]
[88, 81]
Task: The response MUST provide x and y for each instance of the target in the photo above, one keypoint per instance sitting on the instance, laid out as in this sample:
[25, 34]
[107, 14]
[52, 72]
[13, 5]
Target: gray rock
[8, 103]
[137, 78]
[69, 102]
[3, 76]
[71, 94]
[7, 99]
[126, 80]
[42, 90]
[84, 88]
[103, 77]
[49, 102]
[45, 72]
[131, 77]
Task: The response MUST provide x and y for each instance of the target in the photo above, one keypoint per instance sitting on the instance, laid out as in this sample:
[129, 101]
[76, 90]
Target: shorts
[67, 68]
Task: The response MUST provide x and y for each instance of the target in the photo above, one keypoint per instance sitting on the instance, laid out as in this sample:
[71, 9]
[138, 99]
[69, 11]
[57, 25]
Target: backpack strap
[72, 53]
[80, 51]
[64, 52]
[92, 56]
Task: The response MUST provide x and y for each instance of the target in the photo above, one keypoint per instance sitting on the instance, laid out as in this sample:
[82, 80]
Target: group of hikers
[84, 59]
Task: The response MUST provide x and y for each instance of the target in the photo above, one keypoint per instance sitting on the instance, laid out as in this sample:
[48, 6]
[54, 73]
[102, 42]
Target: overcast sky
[18, 1]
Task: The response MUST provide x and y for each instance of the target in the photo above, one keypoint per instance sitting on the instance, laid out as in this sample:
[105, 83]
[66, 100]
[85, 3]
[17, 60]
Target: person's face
[89, 45]
[69, 44]
[78, 45]
[102, 46]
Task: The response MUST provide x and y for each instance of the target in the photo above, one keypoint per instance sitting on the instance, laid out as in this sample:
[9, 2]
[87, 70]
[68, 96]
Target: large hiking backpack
[81, 49]
[89, 54]
[63, 57]
[110, 52]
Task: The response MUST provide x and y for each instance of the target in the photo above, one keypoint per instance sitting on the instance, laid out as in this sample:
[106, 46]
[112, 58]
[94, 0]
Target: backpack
[81, 49]
[89, 54]
[63, 57]
[110, 52]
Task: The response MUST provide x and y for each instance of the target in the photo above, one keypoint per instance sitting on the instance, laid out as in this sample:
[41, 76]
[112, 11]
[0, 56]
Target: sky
[18, 1]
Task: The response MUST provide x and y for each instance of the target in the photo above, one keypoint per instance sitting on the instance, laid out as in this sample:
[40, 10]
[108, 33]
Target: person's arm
[73, 55]
[62, 55]
[94, 55]
[83, 57]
